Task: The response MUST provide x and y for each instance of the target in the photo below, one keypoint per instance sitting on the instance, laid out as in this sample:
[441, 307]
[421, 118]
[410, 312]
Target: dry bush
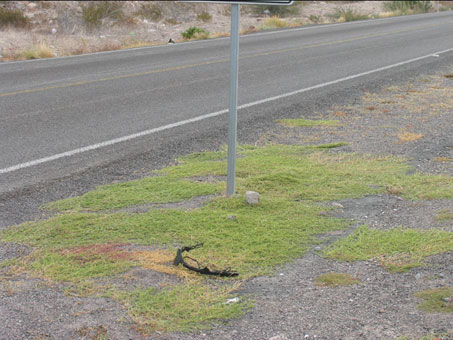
[94, 13]
[13, 18]
[150, 11]
[38, 52]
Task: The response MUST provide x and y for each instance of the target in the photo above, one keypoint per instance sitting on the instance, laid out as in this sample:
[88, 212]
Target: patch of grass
[444, 215]
[347, 14]
[183, 308]
[438, 300]
[195, 33]
[275, 22]
[406, 136]
[336, 279]
[13, 18]
[38, 52]
[426, 337]
[204, 16]
[79, 247]
[301, 122]
[147, 190]
[398, 249]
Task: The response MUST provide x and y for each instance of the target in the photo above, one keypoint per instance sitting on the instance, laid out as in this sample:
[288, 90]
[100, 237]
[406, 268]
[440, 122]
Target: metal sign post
[232, 121]
[234, 68]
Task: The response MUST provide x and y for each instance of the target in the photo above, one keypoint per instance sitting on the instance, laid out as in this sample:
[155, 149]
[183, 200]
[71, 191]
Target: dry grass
[405, 136]
[275, 22]
[37, 52]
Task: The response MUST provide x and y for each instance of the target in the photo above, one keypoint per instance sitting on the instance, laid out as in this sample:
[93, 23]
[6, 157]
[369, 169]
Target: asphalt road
[87, 120]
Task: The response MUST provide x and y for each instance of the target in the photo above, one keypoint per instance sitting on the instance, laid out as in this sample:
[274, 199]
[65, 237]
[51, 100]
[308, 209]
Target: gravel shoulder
[412, 120]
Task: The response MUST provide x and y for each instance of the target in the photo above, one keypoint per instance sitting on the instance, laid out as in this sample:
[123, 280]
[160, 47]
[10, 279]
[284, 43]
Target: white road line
[202, 117]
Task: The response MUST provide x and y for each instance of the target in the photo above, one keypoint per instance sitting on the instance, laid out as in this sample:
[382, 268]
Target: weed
[301, 122]
[275, 22]
[438, 300]
[443, 159]
[150, 11]
[397, 249]
[336, 279]
[37, 52]
[314, 18]
[444, 215]
[405, 136]
[204, 16]
[280, 11]
[95, 11]
[171, 21]
[195, 33]
[408, 7]
[13, 18]
[347, 14]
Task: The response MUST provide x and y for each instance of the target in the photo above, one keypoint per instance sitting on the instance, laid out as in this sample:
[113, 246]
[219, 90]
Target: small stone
[32, 5]
[338, 205]
[446, 299]
[279, 337]
[54, 31]
[418, 276]
[252, 197]
[232, 217]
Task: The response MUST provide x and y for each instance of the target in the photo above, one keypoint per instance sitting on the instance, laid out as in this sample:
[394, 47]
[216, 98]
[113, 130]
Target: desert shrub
[95, 11]
[281, 11]
[150, 11]
[195, 33]
[275, 22]
[204, 16]
[12, 17]
[422, 6]
[347, 14]
[171, 21]
[36, 52]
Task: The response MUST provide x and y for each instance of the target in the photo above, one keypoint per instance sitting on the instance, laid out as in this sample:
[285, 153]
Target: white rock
[54, 31]
[279, 337]
[338, 205]
[145, 21]
[32, 5]
[252, 197]
[234, 300]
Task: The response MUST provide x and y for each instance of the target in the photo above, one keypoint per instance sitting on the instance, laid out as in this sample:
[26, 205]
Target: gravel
[289, 305]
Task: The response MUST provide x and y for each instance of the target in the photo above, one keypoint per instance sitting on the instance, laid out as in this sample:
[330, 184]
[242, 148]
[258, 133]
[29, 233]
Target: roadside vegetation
[13, 18]
[99, 235]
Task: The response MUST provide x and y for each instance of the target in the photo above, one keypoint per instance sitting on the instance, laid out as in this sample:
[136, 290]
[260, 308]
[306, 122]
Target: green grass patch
[301, 122]
[183, 308]
[336, 279]
[397, 249]
[438, 300]
[86, 240]
[144, 191]
[348, 14]
[408, 7]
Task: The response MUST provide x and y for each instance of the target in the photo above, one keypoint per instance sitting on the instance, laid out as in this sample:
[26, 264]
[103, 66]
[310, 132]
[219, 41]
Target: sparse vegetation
[150, 11]
[13, 18]
[275, 22]
[347, 14]
[398, 250]
[195, 33]
[437, 300]
[406, 136]
[301, 122]
[408, 7]
[204, 16]
[96, 11]
[37, 52]
[336, 279]
[444, 215]
[280, 11]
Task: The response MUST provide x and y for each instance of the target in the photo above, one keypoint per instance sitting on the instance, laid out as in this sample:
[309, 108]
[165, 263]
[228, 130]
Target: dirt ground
[58, 25]
[289, 305]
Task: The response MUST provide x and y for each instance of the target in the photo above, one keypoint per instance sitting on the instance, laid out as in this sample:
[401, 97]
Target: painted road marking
[210, 115]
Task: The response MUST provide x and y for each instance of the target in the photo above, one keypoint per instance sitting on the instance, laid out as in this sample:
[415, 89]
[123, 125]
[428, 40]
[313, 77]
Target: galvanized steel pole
[232, 122]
